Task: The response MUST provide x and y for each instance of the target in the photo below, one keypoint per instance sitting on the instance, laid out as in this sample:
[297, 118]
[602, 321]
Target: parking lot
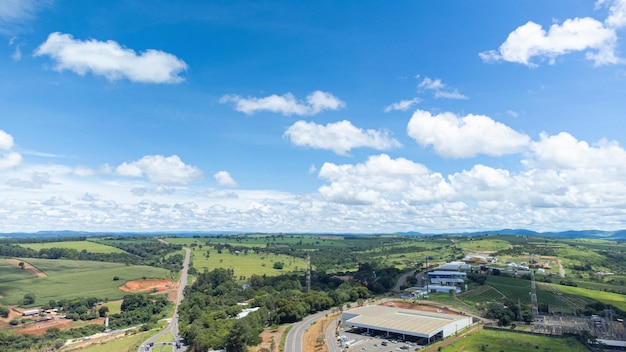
[377, 343]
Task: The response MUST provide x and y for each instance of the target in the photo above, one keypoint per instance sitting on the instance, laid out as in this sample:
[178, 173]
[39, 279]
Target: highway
[172, 327]
[293, 343]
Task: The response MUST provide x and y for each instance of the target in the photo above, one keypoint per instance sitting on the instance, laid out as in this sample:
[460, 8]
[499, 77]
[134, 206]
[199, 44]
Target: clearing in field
[27, 267]
[248, 264]
[89, 246]
[148, 285]
[73, 278]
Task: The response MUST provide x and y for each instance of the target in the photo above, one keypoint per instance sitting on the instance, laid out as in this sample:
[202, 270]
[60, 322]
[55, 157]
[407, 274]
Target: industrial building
[407, 324]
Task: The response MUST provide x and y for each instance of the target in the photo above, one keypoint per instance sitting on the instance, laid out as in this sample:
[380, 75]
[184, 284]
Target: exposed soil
[33, 270]
[267, 336]
[314, 338]
[41, 328]
[422, 307]
[160, 286]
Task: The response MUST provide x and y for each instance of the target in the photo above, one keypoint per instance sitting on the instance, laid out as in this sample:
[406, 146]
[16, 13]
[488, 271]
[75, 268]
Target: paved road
[172, 327]
[331, 338]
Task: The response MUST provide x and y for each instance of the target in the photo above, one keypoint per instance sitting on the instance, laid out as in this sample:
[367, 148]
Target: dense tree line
[53, 338]
[149, 252]
[208, 313]
[138, 309]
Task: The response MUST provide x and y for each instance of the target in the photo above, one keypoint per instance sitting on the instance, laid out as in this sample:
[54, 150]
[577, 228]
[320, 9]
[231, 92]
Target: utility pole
[308, 272]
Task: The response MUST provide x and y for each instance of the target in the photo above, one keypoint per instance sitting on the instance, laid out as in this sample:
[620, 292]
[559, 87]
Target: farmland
[89, 246]
[501, 340]
[71, 278]
[246, 264]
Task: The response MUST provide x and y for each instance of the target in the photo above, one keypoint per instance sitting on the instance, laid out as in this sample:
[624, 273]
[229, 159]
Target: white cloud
[617, 13]
[8, 158]
[6, 141]
[224, 179]
[312, 169]
[15, 11]
[464, 137]
[340, 137]
[402, 105]
[563, 151]
[285, 104]
[440, 90]
[382, 178]
[110, 60]
[531, 41]
[160, 169]
[37, 180]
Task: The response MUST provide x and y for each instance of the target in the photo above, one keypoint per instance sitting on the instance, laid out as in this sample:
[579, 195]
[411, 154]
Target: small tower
[308, 272]
[533, 291]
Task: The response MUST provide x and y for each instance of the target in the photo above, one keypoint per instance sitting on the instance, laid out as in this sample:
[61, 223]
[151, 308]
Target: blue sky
[324, 116]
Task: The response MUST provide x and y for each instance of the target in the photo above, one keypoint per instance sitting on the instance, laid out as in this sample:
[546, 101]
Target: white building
[405, 323]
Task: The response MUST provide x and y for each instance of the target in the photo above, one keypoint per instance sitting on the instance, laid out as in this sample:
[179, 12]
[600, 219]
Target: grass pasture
[246, 264]
[492, 340]
[126, 344]
[614, 299]
[515, 289]
[89, 246]
[71, 278]
[483, 293]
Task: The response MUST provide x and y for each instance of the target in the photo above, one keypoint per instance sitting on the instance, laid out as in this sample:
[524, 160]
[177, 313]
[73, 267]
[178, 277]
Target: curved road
[172, 327]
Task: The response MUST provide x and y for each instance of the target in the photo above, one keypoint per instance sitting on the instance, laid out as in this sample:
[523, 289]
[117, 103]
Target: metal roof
[401, 321]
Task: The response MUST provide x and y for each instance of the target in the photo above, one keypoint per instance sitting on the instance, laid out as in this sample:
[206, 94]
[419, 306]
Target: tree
[115, 278]
[278, 265]
[102, 312]
[21, 265]
[28, 299]
[4, 312]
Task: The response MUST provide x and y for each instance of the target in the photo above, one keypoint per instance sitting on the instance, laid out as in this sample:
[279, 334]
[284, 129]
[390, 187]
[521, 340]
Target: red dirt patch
[33, 270]
[159, 286]
[41, 328]
[267, 335]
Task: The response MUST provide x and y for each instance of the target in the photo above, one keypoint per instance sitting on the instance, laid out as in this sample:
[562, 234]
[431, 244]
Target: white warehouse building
[408, 324]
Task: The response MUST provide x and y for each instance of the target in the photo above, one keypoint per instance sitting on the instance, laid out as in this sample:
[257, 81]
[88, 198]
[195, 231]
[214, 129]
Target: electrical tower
[533, 290]
[308, 273]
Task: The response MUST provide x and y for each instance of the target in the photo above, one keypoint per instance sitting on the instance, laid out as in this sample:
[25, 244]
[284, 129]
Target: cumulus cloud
[285, 104]
[598, 40]
[382, 178]
[464, 137]
[224, 179]
[617, 12]
[564, 151]
[402, 105]
[160, 169]
[110, 60]
[8, 158]
[340, 137]
[6, 141]
[439, 88]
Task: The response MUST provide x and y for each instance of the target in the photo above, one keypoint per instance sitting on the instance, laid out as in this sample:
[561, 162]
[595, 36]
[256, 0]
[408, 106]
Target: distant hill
[598, 234]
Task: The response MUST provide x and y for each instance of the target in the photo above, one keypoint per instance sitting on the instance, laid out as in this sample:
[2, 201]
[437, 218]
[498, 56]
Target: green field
[89, 246]
[614, 299]
[71, 278]
[125, 344]
[246, 264]
[491, 340]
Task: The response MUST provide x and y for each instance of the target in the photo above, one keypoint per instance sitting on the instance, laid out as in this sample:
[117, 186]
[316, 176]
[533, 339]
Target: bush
[116, 278]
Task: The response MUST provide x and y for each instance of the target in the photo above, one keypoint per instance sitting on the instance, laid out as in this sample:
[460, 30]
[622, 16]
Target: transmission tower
[308, 273]
[533, 291]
